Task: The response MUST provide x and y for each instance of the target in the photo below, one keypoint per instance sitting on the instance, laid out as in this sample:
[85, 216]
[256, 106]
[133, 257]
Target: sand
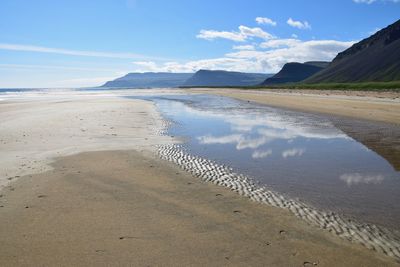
[33, 132]
[375, 106]
[127, 208]
[120, 205]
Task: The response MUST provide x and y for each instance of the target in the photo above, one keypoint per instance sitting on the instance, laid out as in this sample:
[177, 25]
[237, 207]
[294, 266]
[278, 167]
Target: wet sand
[127, 208]
[121, 205]
[375, 106]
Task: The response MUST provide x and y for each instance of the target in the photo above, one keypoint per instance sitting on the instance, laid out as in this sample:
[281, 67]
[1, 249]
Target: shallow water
[300, 155]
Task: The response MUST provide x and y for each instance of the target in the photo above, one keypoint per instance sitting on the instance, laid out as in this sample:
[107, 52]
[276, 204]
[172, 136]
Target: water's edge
[369, 235]
[373, 237]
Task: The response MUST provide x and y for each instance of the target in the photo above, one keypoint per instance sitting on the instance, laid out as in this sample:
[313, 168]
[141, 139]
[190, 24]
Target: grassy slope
[371, 86]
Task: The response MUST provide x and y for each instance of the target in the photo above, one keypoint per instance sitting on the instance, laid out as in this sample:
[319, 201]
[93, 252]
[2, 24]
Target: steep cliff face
[376, 58]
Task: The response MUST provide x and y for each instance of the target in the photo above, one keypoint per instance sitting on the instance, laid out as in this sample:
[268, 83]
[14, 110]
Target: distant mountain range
[376, 58]
[225, 78]
[149, 80]
[296, 72]
[200, 78]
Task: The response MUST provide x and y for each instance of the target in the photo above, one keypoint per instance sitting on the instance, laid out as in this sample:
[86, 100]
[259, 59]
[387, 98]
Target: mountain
[149, 80]
[376, 58]
[295, 72]
[225, 78]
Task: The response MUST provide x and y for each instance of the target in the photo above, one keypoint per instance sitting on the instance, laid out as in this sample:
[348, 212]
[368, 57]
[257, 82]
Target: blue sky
[71, 43]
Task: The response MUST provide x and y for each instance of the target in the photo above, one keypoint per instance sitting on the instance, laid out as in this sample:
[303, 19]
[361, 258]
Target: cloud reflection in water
[358, 178]
[293, 152]
[252, 129]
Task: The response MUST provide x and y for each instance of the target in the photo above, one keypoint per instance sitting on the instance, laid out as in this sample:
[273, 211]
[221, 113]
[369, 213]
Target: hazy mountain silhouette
[149, 80]
[295, 72]
[225, 78]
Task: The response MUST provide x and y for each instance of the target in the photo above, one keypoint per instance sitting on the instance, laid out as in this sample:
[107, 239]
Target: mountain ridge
[373, 59]
[149, 80]
[295, 72]
[225, 78]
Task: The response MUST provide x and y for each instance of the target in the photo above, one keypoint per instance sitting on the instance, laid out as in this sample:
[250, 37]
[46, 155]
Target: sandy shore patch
[127, 208]
[34, 131]
[384, 107]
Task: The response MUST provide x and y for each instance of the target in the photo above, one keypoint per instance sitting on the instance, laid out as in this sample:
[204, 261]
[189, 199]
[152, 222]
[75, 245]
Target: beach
[368, 105]
[83, 186]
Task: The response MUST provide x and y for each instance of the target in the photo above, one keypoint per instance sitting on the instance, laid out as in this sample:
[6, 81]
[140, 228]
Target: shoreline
[371, 236]
[373, 106]
[111, 205]
[130, 208]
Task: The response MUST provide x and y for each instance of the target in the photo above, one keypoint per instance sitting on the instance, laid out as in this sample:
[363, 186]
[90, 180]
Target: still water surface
[300, 155]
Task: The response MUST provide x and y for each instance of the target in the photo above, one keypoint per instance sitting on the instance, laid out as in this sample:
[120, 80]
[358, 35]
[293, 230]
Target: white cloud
[265, 21]
[242, 35]
[261, 154]
[147, 65]
[279, 52]
[228, 139]
[243, 47]
[296, 51]
[357, 178]
[265, 128]
[279, 43]
[240, 140]
[274, 53]
[293, 152]
[298, 24]
[255, 32]
[42, 49]
[252, 143]
[225, 63]
[212, 34]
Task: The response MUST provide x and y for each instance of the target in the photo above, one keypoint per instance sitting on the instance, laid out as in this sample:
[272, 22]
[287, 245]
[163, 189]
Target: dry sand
[376, 106]
[126, 207]
[32, 133]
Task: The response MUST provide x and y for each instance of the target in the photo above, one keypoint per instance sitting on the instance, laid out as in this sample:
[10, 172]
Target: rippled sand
[126, 206]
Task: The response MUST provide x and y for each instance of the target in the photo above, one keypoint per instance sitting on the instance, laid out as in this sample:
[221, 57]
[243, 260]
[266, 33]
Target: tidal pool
[300, 155]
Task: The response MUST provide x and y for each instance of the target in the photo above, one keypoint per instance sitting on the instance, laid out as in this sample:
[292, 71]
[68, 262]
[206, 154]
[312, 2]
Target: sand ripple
[370, 236]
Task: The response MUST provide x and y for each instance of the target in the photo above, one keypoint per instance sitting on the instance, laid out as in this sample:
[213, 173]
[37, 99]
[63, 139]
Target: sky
[75, 43]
